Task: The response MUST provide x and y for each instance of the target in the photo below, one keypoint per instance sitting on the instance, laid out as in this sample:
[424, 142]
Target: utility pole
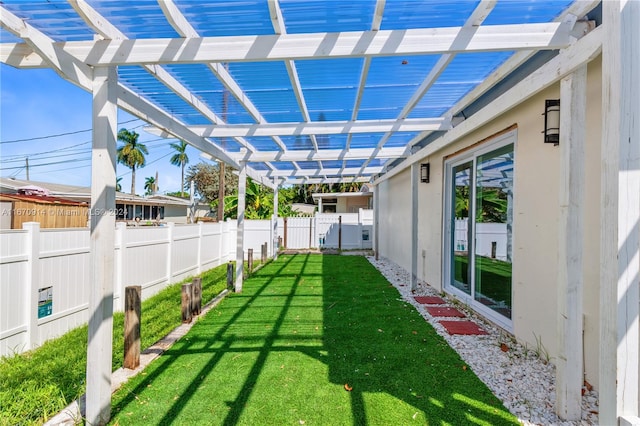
[26, 159]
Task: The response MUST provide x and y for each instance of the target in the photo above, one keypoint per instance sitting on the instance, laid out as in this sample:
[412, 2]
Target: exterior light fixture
[425, 168]
[552, 121]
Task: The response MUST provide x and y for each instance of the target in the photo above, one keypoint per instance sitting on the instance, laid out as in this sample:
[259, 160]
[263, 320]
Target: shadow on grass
[311, 340]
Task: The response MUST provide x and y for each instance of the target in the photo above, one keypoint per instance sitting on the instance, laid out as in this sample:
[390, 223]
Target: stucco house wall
[536, 216]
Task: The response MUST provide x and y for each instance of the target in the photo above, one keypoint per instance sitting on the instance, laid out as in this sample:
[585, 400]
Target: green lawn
[312, 339]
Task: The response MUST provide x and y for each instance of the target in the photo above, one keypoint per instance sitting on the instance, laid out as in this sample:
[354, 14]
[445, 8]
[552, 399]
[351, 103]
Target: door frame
[470, 155]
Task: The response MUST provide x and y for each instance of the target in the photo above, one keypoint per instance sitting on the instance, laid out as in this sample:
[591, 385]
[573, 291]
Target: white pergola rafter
[419, 41]
[322, 155]
[375, 26]
[277, 20]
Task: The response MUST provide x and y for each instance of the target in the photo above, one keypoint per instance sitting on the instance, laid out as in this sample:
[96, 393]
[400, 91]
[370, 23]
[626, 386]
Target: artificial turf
[312, 339]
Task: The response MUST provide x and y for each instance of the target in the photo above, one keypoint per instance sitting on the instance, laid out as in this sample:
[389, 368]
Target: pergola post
[102, 240]
[242, 190]
[569, 367]
[620, 214]
[274, 224]
[414, 226]
[376, 219]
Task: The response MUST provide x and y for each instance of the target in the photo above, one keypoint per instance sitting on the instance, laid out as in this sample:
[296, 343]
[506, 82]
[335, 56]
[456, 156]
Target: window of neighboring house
[329, 208]
[138, 211]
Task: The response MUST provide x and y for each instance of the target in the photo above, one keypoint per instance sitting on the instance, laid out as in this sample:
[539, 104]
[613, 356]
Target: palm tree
[131, 154]
[180, 158]
[150, 185]
[118, 185]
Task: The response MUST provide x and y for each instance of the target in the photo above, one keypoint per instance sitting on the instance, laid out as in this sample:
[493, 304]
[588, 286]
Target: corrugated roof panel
[526, 11]
[228, 144]
[306, 16]
[202, 82]
[259, 166]
[331, 164]
[307, 165]
[268, 87]
[263, 143]
[136, 18]
[56, 19]
[227, 18]
[297, 143]
[391, 82]
[283, 165]
[426, 14]
[463, 74]
[400, 139]
[330, 87]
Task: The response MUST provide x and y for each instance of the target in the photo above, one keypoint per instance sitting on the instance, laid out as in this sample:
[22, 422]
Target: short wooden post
[196, 302]
[285, 232]
[187, 296]
[132, 297]
[250, 261]
[494, 246]
[263, 254]
[230, 275]
[340, 232]
[279, 243]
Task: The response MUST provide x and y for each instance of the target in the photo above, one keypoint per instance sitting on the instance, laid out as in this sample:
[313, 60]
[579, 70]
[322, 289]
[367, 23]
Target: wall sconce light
[424, 172]
[552, 121]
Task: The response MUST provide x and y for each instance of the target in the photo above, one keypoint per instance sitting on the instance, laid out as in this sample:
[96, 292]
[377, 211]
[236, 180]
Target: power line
[61, 134]
[48, 164]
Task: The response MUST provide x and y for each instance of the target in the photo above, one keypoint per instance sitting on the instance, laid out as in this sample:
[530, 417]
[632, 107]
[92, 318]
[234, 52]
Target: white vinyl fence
[491, 238]
[44, 273]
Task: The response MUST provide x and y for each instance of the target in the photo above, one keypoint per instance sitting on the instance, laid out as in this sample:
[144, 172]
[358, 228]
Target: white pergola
[292, 94]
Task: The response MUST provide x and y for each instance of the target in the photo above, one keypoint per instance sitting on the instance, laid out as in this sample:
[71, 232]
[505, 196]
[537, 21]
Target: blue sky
[40, 104]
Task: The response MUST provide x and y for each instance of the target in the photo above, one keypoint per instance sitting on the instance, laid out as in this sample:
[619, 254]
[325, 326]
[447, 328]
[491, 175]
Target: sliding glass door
[479, 229]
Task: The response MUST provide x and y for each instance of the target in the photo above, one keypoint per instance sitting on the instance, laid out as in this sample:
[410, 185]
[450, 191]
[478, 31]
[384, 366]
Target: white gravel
[521, 377]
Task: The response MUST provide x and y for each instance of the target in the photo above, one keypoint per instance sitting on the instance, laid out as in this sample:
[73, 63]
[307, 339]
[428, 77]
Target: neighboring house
[50, 211]
[151, 209]
[343, 202]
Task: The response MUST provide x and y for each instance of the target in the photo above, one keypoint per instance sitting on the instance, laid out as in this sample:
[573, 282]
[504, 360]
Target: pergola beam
[354, 171]
[420, 41]
[321, 128]
[321, 155]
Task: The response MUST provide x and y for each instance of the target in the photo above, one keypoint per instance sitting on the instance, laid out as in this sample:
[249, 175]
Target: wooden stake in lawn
[132, 297]
[250, 261]
[285, 232]
[263, 254]
[196, 302]
[230, 275]
[187, 296]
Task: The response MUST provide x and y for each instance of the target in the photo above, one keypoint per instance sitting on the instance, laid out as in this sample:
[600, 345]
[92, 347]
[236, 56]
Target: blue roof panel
[304, 16]
[227, 18]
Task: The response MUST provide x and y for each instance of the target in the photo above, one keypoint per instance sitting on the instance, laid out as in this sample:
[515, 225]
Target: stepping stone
[430, 300]
[444, 311]
[463, 327]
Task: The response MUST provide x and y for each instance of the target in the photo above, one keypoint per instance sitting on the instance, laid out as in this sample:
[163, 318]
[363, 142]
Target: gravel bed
[520, 377]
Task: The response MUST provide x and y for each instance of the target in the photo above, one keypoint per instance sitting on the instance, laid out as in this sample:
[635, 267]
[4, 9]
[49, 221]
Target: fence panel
[13, 268]
[300, 233]
[63, 279]
[256, 233]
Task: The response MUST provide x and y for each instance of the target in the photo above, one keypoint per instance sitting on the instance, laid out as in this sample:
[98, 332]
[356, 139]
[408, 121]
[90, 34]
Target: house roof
[299, 91]
[42, 199]
[11, 185]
